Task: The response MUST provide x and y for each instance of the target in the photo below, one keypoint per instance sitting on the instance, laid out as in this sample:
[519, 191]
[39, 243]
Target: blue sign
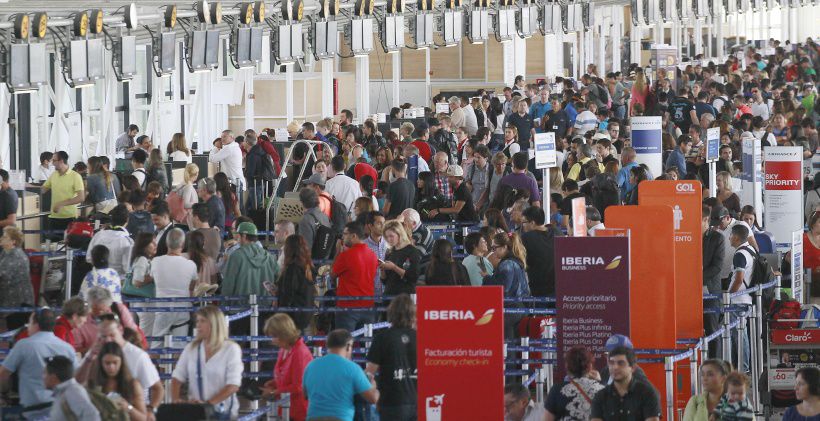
[712, 144]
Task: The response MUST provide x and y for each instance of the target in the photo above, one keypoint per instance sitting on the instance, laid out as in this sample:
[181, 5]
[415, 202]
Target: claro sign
[795, 336]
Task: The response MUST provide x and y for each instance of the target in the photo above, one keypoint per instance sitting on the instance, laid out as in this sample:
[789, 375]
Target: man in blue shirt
[28, 359]
[628, 157]
[539, 109]
[331, 382]
[678, 156]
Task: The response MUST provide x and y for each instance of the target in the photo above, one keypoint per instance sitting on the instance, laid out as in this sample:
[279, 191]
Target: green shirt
[64, 187]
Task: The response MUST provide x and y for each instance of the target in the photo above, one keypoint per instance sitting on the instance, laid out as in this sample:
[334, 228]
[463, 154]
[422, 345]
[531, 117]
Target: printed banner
[646, 139]
[784, 193]
[712, 144]
[797, 266]
[545, 156]
[460, 348]
[591, 293]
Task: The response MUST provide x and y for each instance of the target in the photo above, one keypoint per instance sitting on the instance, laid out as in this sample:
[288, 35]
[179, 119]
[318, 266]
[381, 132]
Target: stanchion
[704, 350]
[726, 337]
[741, 332]
[549, 333]
[539, 385]
[254, 342]
[525, 355]
[69, 268]
[669, 368]
[758, 341]
[693, 372]
[286, 407]
[167, 343]
[755, 357]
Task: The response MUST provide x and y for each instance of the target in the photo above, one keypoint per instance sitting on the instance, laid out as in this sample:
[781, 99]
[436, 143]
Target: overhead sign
[646, 140]
[460, 341]
[545, 156]
[591, 293]
[797, 266]
[784, 193]
[712, 144]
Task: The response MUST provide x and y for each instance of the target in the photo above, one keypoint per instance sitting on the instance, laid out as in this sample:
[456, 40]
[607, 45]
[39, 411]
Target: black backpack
[324, 241]
[761, 274]
[338, 217]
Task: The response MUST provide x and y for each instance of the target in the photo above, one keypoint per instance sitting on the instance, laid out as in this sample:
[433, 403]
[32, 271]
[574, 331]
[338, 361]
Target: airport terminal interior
[398, 210]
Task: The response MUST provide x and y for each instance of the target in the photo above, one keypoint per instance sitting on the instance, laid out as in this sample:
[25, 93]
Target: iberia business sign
[783, 201]
[460, 352]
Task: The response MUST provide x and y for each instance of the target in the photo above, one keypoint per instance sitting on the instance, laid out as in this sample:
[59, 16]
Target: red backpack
[784, 310]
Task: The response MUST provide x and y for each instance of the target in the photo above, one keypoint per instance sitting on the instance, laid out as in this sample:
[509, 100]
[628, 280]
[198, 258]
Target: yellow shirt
[64, 187]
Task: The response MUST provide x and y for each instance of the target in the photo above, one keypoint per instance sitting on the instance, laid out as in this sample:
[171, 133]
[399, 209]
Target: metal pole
[713, 179]
[549, 333]
[167, 342]
[539, 385]
[704, 349]
[741, 332]
[693, 372]
[525, 355]
[669, 367]
[545, 196]
[254, 342]
[286, 407]
[69, 267]
[807, 286]
[758, 341]
[755, 357]
[726, 337]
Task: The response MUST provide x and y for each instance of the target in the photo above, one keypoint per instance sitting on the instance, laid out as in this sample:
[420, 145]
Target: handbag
[176, 205]
[131, 290]
[220, 415]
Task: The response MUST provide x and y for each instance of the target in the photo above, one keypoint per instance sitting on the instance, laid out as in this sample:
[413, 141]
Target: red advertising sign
[783, 175]
[591, 293]
[795, 336]
[460, 351]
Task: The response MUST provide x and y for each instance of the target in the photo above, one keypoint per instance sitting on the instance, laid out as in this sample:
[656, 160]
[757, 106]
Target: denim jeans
[353, 320]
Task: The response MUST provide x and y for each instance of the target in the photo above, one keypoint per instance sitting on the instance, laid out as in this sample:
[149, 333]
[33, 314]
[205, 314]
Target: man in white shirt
[117, 239]
[229, 156]
[742, 268]
[518, 406]
[44, 170]
[457, 117]
[343, 188]
[586, 119]
[759, 107]
[470, 120]
[174, 276]
[139, 364]
[723, 223]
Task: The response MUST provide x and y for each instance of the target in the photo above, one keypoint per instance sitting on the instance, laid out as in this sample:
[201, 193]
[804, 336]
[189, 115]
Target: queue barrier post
[726, 337]
[693, 372]
[807, 286]
[525, 355]
[286, 407]
[669, 367]
[779, 279]
[549, 333]
[704, 353]
[167, 343]
[539, 385]
[741, 354]
[680, 414]
[254, 342]
[69, 268]
[758, 341]
[755, 357]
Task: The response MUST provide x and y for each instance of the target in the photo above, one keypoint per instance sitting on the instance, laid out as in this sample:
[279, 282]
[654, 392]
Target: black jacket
[258, 165]
[713, 254]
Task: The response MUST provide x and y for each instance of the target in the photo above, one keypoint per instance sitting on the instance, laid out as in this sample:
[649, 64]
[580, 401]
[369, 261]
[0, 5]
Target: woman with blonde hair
[640, 90]
[725, 195]
[400, 269]
[556, 179]
[291, 361]
[179, 149]
[211, 365]
[186, 194]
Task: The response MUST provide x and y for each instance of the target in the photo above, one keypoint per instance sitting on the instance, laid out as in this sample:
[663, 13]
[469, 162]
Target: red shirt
[288, 373]
[361, 169]
[424, 149]
[356, 268]
[811, 254]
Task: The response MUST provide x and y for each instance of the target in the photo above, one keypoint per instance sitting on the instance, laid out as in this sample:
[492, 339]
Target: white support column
[718, 21]
[602, 70]
[659, 35]
[558, 40]
[508, 67]
[784, 21]
[362, 88]
[519, 48]
[635, 44]
[396, 79]
[427, 86]
[549, 59]
[250, 111]
[288, 94]
[764, 23]
[580, 54]
[793, 37]
[709, 23]
[698, 36]
[327, 87]
[616, 33]
[675, 37]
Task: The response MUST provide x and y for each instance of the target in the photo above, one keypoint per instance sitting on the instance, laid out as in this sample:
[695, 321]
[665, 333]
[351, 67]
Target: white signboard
[646, 140]
[797, 266]
[442, 107]
[784, 192]
[545, 150]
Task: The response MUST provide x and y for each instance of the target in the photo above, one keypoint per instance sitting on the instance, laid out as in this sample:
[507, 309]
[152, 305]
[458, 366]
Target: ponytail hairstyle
[512, 242]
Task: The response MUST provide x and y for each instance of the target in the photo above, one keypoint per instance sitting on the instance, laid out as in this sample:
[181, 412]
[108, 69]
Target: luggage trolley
[790, 349]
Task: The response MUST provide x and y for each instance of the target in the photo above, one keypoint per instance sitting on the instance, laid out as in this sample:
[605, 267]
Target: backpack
[338, 217]
[324, 240]
[761, 274]
[109, 411]
[264, 170]
[784, 310]
[176, 205]
[78, 234]
[146, 179]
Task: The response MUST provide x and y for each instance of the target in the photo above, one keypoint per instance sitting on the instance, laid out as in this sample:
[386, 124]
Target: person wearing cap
[722, 221]
[806, 71]
[250, 266]
[463, 208]
[621, 341]
[317, 183]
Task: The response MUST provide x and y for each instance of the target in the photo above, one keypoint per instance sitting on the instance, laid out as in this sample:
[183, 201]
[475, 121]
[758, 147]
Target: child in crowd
[735, 405]
[102, 275]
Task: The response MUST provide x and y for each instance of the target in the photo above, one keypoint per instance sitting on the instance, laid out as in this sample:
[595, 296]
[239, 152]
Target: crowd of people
[369, 199]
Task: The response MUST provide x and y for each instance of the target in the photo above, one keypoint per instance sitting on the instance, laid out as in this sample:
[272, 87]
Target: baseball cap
[718, 213]
[247, 228]
[615, 341]
[317, 179]
[599, 136]
[455, 171]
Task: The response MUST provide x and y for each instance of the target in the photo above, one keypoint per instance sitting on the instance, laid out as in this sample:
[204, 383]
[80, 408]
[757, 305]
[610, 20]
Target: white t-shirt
[173, 276]
[224, 368]
[730, 251]
[760, 110]
[230, 161]
[140, 174]
[41, 174]
[586, 121]
[743, 261]
[180, 156]
[141, 367]
[344, 189]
